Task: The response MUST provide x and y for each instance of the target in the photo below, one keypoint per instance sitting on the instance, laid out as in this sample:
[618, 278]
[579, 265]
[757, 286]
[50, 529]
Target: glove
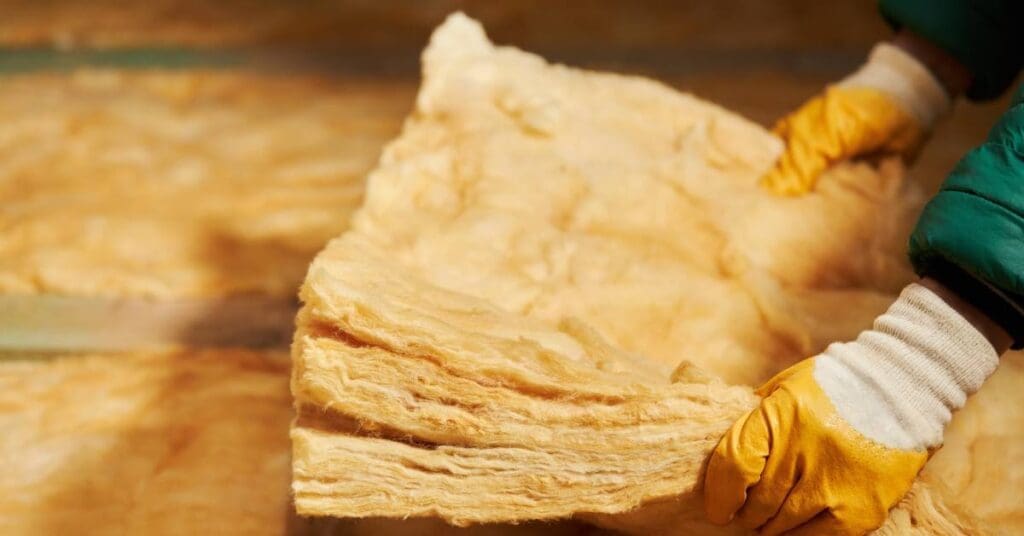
[839, 438]
[888, 106]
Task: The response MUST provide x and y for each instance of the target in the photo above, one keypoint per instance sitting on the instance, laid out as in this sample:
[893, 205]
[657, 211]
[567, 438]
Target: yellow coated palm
[841, 124]
[794, 463]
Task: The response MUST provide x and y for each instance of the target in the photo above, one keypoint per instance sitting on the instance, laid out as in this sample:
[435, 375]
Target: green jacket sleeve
[985, 35]
[975, 225]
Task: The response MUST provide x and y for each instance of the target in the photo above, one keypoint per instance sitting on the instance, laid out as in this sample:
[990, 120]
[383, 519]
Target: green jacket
[970, 236]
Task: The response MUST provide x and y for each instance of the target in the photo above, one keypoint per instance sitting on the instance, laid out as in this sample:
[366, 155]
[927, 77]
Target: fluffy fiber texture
[183, 442]
[179, 442]
[180, 184]
[547, 261]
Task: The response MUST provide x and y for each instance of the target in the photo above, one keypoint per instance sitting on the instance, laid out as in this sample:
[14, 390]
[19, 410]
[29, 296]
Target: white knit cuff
[900, 382]
[898, 74]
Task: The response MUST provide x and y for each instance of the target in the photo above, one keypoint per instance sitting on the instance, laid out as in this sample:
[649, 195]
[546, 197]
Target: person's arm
[954, 76]
[982, 35]
[994, 333]
[941, 50]
[970, 236]
[888, 106]
[839, 438]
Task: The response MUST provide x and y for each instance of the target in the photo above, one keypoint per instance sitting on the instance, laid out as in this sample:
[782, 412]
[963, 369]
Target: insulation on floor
[557, 291]
[180, 184]
[175, 442]
[181, 206]
[178, 442]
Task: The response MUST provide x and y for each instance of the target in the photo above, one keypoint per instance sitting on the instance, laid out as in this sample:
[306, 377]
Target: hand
[887, 107]
[839, 438]
[793, 462]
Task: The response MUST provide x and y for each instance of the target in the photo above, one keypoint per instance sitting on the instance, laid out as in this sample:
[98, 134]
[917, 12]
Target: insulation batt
[183, 207]
[178, 442]
[558, 290]
[187, 184]
[170, 442]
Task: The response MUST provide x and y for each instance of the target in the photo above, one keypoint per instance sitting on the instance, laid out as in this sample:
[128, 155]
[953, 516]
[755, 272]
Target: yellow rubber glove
[887, 107]
[839, 438]
[804, 465]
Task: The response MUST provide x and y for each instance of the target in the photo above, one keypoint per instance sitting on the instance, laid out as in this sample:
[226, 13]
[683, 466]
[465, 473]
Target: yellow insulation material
[557, 291]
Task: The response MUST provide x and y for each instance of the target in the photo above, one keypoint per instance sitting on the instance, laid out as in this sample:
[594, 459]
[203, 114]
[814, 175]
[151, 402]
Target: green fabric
[987, 36]
[976, 221]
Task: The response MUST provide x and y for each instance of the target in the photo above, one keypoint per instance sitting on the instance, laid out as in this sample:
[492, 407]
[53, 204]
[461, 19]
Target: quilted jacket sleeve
[985, 35]
[972, 232]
